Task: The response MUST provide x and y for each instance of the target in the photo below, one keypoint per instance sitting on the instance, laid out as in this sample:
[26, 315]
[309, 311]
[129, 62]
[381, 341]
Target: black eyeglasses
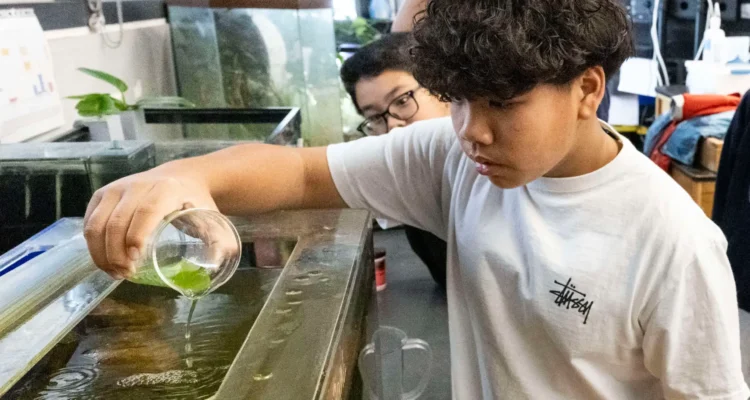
[402, 108]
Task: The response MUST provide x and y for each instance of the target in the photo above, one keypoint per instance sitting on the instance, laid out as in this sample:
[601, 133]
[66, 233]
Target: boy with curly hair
[576, 268]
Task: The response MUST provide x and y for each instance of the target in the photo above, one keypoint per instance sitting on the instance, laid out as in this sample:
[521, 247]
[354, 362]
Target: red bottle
[380, 269]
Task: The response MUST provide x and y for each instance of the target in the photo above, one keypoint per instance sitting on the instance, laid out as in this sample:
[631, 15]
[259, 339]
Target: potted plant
[111, 117]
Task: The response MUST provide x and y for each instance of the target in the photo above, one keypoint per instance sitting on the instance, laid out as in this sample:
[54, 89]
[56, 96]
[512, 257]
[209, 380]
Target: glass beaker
[192, 251]
[384, 379]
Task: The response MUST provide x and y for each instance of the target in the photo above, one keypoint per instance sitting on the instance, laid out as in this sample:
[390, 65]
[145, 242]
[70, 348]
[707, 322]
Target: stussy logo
[570, 298]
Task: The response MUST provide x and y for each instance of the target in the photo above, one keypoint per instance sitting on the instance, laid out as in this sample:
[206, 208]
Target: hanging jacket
[683, 143]
[685, 107]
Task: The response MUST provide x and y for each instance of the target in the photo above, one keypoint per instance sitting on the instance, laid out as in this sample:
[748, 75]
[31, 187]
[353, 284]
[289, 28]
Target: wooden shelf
[700, 183]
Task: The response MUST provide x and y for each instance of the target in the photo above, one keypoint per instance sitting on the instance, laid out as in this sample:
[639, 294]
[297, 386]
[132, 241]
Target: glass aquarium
[261, 57]
[134, 343]
[41, 242]
[43, 182]
[176, 150]
[294, 311]
[271, 125]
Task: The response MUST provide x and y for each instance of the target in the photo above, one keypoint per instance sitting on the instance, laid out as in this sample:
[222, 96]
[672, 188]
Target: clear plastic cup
[192, 251]
[383, 366]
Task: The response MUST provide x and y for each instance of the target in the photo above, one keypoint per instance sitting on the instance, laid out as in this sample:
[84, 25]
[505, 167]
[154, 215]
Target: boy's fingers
[157, 204]
[93, 203]
[112, 272]
[118, 225]
[95, 228]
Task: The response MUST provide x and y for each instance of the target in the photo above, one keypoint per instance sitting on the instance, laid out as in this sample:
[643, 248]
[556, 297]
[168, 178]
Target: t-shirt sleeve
[398, 176]
[691, 336]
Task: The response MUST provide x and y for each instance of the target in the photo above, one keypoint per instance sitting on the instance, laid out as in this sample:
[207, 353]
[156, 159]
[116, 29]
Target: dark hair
[504, 48]
[388, 53]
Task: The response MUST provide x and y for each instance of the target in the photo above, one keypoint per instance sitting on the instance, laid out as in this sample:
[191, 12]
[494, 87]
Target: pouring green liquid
[187, 278]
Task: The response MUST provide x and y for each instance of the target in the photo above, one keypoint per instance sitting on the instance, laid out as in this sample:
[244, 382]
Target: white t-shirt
[610, 285]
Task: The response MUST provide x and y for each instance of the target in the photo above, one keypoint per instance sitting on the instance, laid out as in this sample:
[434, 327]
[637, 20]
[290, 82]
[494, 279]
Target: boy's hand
[122, 216]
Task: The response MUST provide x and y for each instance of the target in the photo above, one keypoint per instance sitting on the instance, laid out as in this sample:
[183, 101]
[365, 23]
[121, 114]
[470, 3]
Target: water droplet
[325, 279]
[262, 377]
[302, 278]
[294, 302]
[315, 273]
[293, 292]
[283, 311]
[327, 228]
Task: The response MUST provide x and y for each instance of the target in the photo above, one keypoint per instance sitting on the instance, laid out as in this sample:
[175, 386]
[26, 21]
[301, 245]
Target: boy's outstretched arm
[404, 21]
[241, 180]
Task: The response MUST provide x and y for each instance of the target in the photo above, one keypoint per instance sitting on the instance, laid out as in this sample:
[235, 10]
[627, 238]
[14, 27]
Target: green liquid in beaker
[192, 280]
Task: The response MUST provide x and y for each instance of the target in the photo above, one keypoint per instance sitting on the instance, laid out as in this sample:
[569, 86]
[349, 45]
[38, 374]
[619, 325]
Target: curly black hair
[391, 52]
[501, 49]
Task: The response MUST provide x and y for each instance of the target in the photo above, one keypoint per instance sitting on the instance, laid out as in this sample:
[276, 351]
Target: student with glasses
[378, 78]
[403, 108]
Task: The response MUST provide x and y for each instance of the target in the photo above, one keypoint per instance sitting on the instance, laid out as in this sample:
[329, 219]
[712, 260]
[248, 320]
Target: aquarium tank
[43, 182]
[245, 54]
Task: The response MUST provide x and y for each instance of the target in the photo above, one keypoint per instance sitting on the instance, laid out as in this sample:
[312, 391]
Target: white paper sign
[639, 76]
[623, 109]
[29, 102]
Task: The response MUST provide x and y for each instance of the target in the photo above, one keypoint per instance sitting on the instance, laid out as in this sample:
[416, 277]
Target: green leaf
[165, 101]
[359, 21]
[121, 105]
[364, 32]
[97, 105]
[89, 106]
[80, 97]
[112, 80]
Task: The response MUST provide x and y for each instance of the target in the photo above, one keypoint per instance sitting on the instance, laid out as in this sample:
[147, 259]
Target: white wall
[143, 60]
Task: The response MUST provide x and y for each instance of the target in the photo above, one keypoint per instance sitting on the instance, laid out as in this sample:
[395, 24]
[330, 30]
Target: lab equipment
[383, 365]
[192, 251]
[714, 47]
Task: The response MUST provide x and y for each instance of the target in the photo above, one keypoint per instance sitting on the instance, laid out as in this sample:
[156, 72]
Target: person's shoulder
[433, 135]
[443, 125]
[665, 233]
[430, 128]
[667, 213]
